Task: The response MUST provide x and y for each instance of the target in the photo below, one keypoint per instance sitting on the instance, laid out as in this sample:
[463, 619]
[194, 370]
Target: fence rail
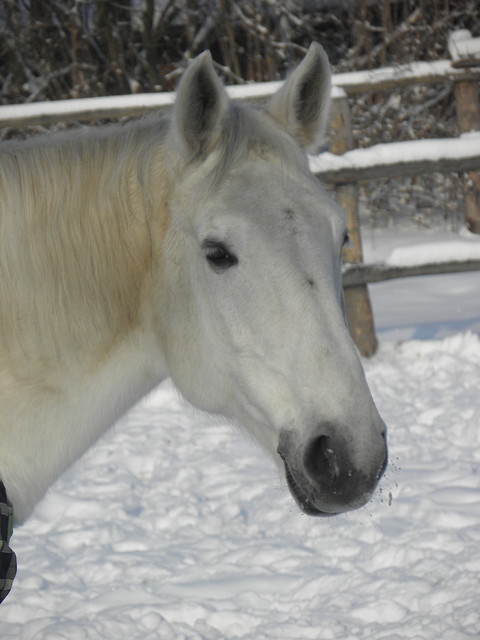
[355, 275]
[399, 159]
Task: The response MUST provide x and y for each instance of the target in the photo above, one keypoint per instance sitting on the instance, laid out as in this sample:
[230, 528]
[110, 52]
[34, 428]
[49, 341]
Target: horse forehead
[277, 192]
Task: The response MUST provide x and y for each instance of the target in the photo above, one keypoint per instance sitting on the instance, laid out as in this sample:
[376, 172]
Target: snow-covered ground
[176, 527]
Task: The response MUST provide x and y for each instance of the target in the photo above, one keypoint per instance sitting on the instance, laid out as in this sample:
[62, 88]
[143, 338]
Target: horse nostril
[321, 461]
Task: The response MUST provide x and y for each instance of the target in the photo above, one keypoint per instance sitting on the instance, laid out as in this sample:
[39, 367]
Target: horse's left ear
[199, 107]
[302, 104]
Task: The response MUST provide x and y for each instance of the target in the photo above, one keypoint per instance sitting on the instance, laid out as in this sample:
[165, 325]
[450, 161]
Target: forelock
[248, 131]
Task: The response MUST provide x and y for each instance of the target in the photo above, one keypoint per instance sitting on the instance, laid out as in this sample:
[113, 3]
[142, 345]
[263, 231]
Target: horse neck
[80, 243]
[77, 347]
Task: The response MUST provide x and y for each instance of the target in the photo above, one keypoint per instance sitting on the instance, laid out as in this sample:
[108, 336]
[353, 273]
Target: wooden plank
[341, 141]
[357, 301]
[356, 274]
[465, 51]
[467, 106]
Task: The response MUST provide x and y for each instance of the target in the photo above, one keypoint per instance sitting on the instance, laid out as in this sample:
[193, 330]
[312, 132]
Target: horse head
[253, 326]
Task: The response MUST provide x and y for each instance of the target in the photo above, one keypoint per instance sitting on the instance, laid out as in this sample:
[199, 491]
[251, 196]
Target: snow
[440, 252]
[401, 73]
[462, 45]
[176, 527]
[466, 145]
[70, 109]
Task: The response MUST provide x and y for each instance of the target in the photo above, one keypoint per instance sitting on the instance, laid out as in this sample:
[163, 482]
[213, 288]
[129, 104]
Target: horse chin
[303, 501]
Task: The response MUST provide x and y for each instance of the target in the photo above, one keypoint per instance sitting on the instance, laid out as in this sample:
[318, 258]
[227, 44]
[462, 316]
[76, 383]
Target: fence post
[357, 301]
[465, 52]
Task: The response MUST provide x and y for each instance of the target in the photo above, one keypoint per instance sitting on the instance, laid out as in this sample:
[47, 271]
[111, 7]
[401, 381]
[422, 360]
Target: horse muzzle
[326, 476]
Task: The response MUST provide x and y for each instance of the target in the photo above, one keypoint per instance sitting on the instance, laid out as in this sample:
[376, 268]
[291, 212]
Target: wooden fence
[404, 159]
[460, 155]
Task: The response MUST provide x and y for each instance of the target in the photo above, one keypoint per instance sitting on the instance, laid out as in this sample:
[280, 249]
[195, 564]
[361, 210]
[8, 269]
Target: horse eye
[219, 257]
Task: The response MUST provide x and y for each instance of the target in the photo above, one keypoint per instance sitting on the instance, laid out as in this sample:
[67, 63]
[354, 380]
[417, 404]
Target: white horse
[197, 246]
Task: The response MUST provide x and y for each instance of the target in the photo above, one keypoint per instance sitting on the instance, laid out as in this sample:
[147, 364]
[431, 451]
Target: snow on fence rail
[355, 275]
[396, 159]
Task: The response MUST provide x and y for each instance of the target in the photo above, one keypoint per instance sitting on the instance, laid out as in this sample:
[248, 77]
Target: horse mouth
[302, 499]
[322, 478]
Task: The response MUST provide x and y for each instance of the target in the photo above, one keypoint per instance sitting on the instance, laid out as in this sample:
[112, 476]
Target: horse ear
[302, 104]
[200, 104]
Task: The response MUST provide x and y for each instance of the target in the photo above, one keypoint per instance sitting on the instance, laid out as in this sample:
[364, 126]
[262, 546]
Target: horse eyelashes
[219, 257]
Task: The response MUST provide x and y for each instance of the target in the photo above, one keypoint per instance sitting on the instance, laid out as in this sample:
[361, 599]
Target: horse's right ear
[199, 107]
[302, 103]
